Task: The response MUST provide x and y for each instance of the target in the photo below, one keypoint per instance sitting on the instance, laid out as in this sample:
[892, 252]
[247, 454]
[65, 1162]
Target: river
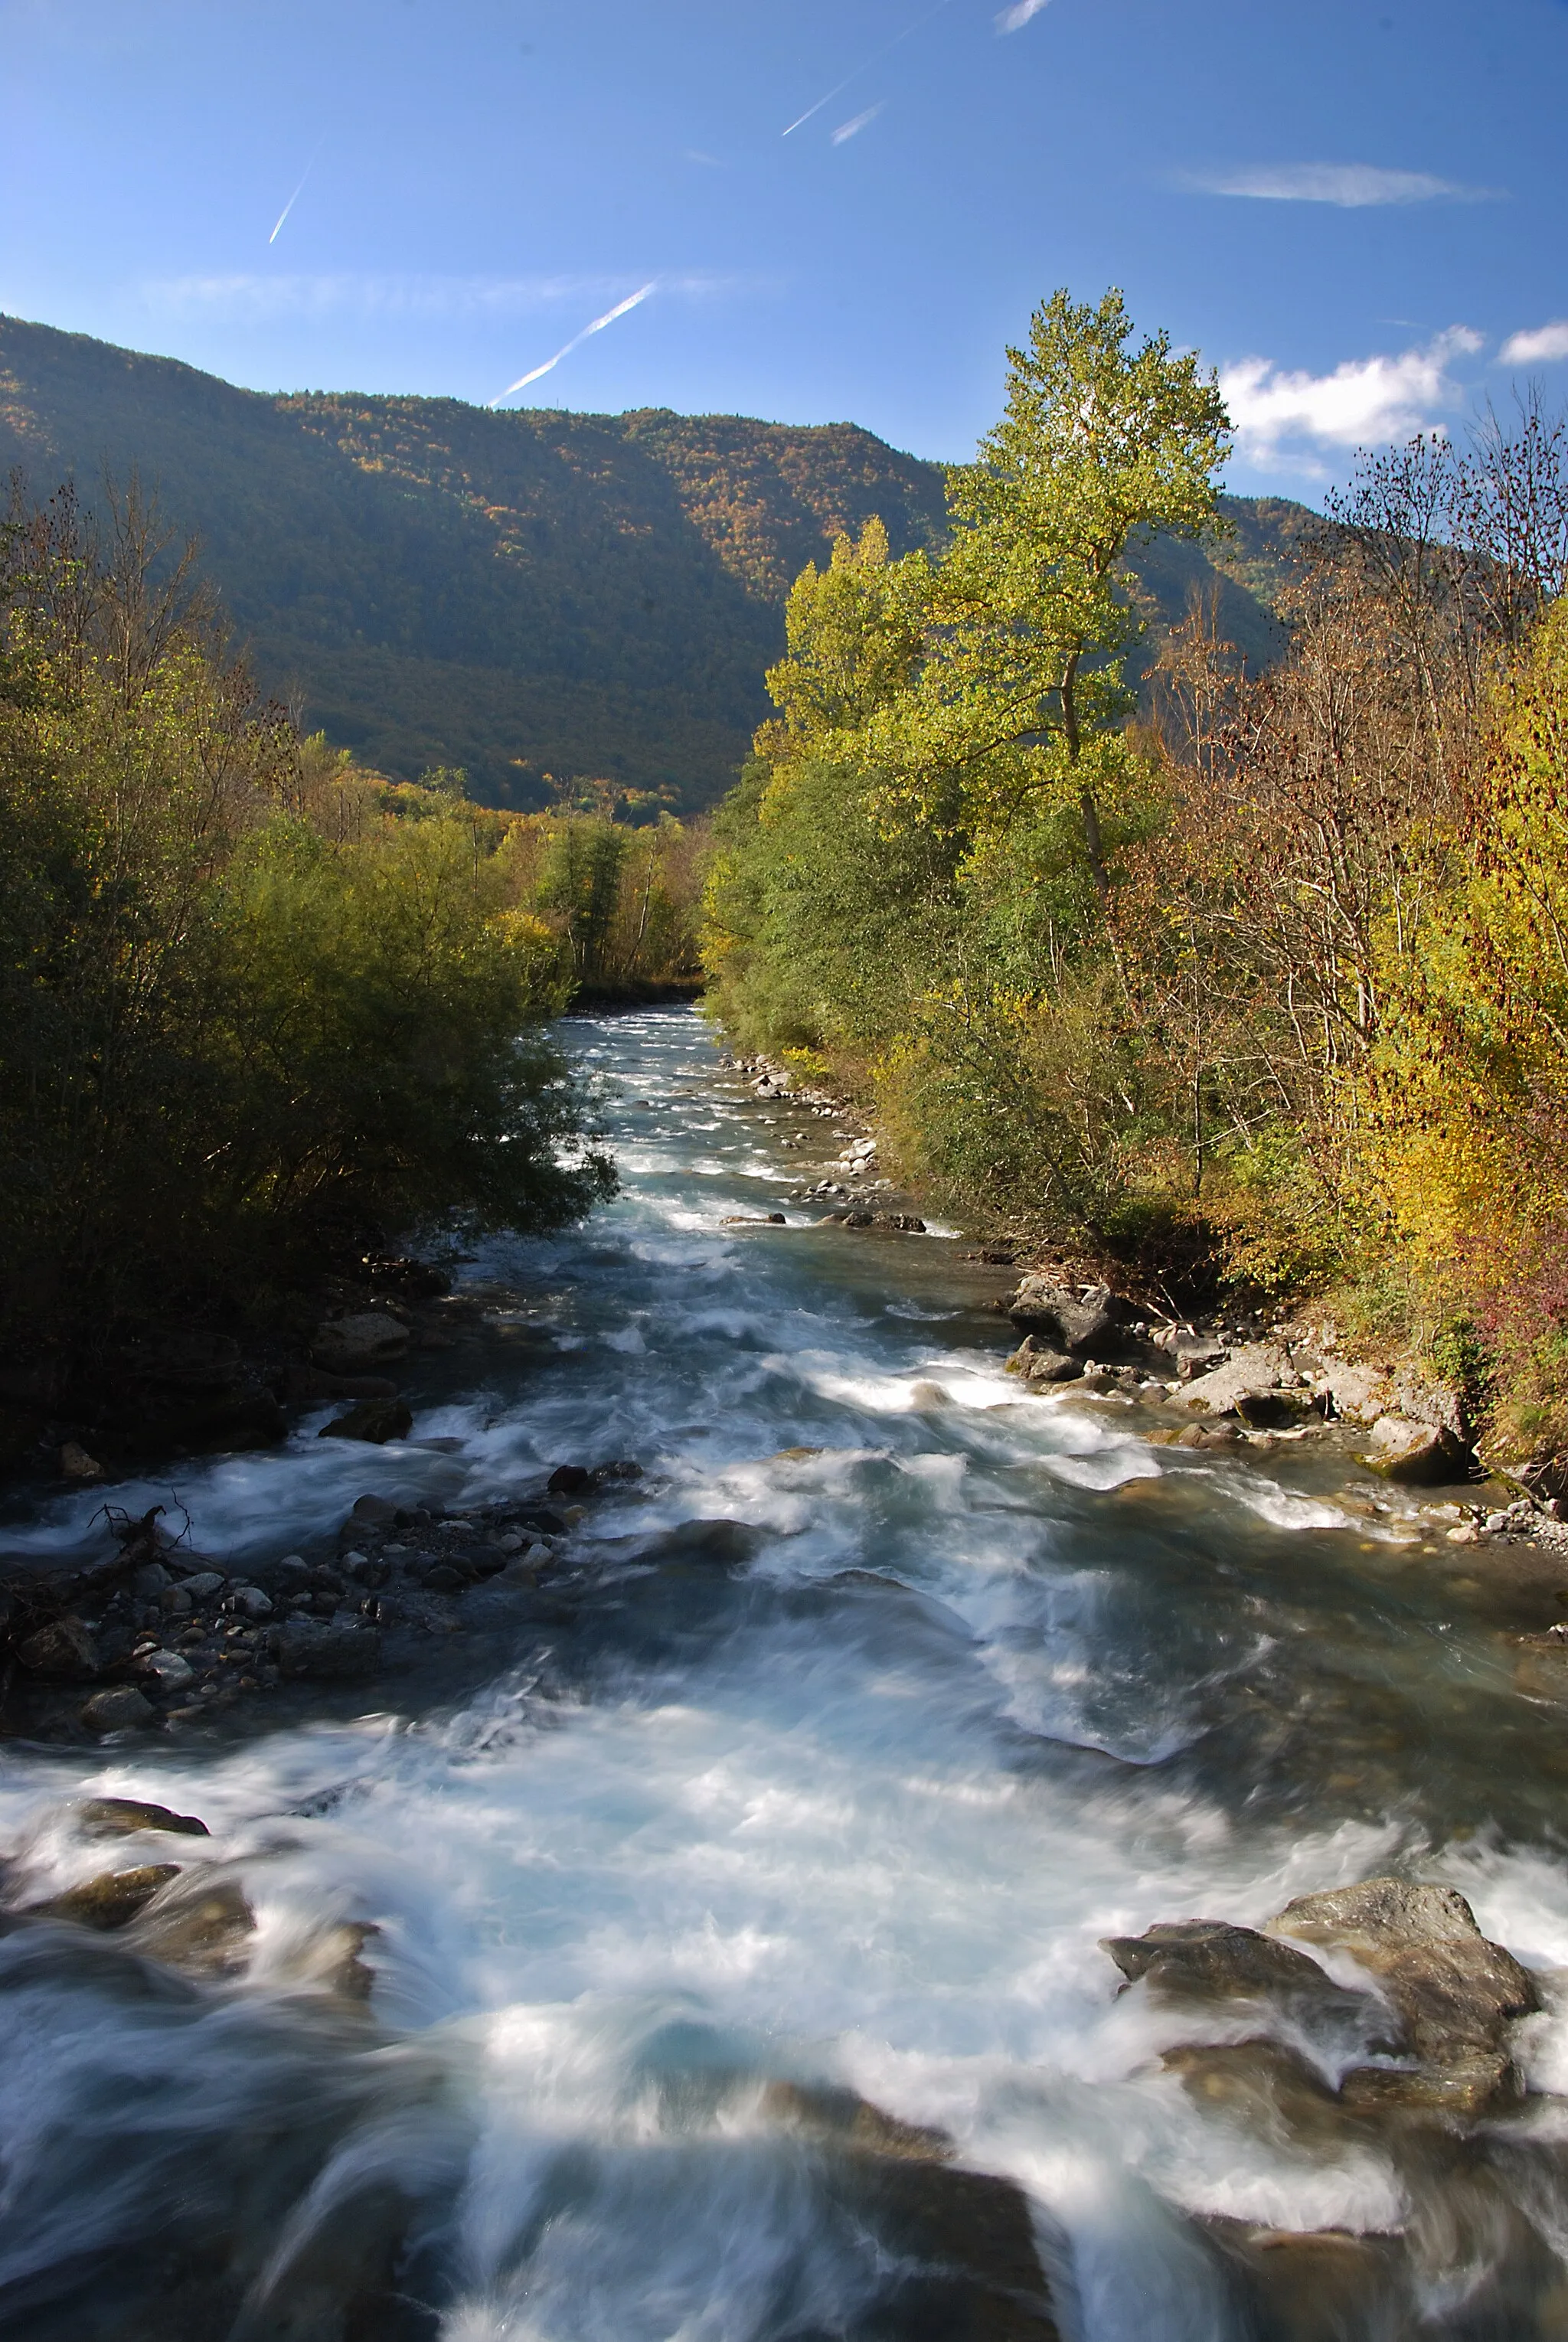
[999, 1679]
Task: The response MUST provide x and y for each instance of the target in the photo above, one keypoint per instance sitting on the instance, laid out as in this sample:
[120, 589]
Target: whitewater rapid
[1000, 1680]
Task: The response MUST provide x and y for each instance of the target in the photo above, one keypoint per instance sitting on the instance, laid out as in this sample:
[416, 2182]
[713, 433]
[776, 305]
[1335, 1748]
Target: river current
[999, 1679]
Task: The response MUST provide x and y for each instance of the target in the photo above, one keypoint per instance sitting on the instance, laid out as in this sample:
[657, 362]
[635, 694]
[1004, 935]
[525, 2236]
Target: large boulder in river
[1454, 1992]
[374, 1420]
[1417, 1453]
[1093, 1324]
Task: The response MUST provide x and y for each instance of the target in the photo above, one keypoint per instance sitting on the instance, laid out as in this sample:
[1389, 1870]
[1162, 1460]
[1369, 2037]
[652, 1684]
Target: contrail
[577, 340]
[864, 66]
[848, 129]
[300, 189]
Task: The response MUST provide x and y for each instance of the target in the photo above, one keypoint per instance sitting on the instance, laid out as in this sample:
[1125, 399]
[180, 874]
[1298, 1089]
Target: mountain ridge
[536, 595]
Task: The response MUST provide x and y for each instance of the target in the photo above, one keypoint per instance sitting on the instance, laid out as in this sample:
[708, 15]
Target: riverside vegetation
[260, 1009]
[1263, 989]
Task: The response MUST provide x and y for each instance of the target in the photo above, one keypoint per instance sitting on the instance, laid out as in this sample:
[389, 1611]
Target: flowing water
[999, 1679]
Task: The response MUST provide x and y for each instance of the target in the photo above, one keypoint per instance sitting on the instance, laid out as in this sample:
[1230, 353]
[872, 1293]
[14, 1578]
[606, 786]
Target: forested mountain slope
[525, 594]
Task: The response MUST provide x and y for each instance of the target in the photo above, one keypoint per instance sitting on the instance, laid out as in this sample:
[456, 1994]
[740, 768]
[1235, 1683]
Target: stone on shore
[1096, 1322]
[322, 1652]
[1037, 1362]
[1416, 1454]
[347, 1345]
[121, 1708]
[63, 1649]
[1252, 1372]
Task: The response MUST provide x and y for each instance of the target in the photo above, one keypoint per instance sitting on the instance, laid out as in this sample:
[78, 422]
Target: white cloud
[1361, 403]
[848, 129]
[1539, 346]
[259, 298]
[1013, 19]
[1352, 186]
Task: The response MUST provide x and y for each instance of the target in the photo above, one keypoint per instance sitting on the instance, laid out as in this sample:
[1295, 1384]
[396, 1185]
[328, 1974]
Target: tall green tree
[1021, 698]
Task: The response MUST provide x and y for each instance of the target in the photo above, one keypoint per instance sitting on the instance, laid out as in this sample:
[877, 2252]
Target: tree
[1021, 694]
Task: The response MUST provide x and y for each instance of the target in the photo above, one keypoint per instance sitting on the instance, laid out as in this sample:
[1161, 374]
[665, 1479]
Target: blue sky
[1355, 211]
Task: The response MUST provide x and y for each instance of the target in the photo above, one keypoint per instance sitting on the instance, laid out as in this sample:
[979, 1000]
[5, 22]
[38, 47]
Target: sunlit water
[779, 1823]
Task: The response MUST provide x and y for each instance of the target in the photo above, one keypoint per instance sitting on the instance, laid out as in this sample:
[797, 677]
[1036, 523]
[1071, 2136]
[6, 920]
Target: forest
[264, 1009]
[1260, 986]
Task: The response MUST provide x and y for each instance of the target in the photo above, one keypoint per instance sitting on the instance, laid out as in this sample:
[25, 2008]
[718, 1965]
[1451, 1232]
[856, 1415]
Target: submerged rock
[111, 1900]
[203, 1927]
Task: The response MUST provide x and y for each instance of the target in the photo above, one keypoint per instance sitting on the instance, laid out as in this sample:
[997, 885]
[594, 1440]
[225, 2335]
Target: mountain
[528, 594]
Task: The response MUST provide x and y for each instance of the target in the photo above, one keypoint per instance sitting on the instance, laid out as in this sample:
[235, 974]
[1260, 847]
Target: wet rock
[1319, 2286]
[368, 1338]
[374, 1420]
[1416, 1454]
[61, 1650]
[1037, 1362]
[166, 1671]
[1097, 1321]
[203, 1927]
[205, 1584]
[710, 1544]
[1455, 1993]
[76, 1464]
[850, 2120]
[1205, 1434]
[120, 1816]
[375, 1512]
[568, 1480]
[121, 1708]
[150, 1580]
[966, 2240]
[314, 1653]
[441, 1578]
[1209, 1959]
[605, 1476]
[111, 1900]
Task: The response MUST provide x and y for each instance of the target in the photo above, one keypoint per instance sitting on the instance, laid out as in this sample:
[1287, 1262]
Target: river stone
[205, 1583]
[202, 1927]
[1455, 1992]
[1097, 1321]
[317, 1653]
[711, 1545]
[63, 1648]
[1248, 1371]
[374, 1420]
[1208, 1959]
[1414, 1453]
[850, 2120]
[365, 1339]
[121, 1708]
[1038, 1362]
[1197, 1353]
[120, 1816]
[111, 1900]
[166, 1670]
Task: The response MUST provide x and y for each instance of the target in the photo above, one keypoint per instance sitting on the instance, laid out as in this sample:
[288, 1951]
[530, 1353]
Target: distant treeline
[1271, 988]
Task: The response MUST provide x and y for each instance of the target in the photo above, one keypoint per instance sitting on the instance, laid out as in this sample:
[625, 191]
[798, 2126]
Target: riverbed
[996, 1679]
